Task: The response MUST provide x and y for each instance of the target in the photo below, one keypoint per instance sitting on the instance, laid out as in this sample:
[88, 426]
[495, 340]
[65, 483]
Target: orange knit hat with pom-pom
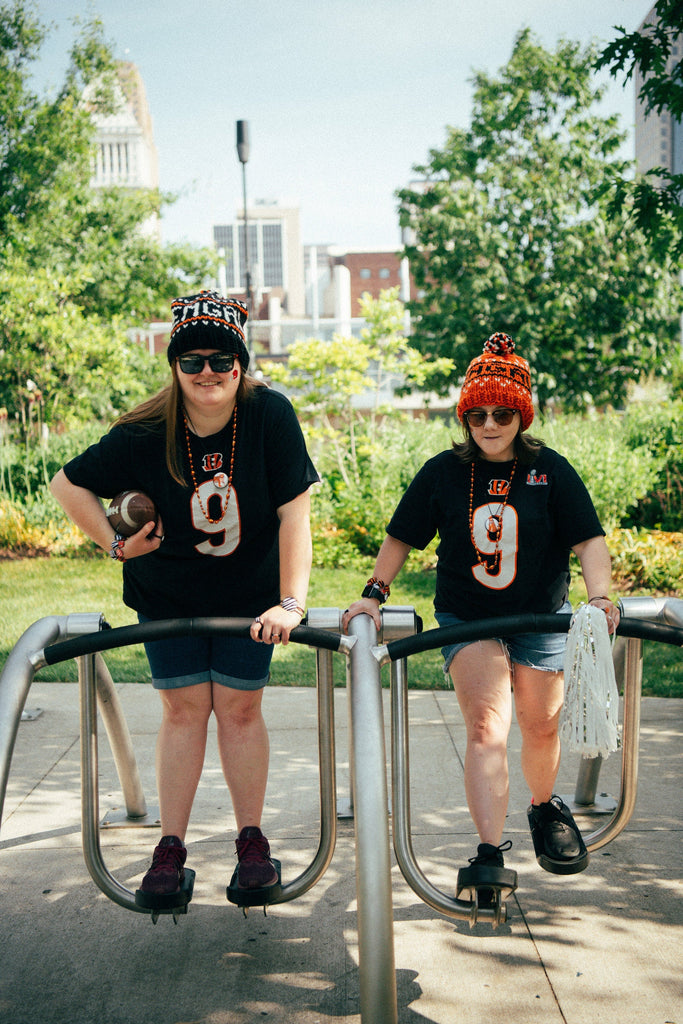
[498, 377]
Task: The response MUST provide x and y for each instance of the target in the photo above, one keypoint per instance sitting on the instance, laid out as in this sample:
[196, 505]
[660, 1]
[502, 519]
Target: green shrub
[617, 474]
[658, 427]
[27, 468]
[40, 527]
[647, 561]
[349, 520]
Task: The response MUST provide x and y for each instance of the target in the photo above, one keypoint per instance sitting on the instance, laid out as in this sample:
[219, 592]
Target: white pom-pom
[589, 720]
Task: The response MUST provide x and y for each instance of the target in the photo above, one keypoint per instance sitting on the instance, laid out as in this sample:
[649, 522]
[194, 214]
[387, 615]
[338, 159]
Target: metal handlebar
[107, 638]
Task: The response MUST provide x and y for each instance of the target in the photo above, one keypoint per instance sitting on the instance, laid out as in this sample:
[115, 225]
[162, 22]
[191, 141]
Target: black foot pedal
[246, 898]
[175, 903]
[486, 887]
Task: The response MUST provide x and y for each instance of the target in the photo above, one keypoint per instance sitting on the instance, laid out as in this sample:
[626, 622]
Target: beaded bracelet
[290, 604]
[376, 589]
[117, 548]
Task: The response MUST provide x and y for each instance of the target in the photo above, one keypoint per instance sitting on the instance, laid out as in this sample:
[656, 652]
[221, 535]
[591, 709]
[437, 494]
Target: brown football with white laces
[129, 511]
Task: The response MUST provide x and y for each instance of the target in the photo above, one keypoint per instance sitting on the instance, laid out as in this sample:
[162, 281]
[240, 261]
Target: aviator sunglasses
[503, 417]
[220, 362]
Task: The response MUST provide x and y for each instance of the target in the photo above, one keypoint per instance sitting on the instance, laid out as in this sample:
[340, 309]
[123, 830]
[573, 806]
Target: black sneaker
[558, 843]
[167, 872]
[485, 868]
[255, 868]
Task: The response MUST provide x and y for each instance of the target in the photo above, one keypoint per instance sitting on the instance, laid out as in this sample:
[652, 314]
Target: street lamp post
[243, 155]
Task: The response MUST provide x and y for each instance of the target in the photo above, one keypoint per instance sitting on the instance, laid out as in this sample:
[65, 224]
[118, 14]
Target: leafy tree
[324, 379]
[76, 269]
[366, 456]
[653, 199]
[507, 236]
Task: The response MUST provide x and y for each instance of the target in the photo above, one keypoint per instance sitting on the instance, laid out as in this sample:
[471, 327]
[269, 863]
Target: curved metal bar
[328, 784]
[163, 628]
[450, 906]
[633, 678]
[486, 629]
[668, 610]
[90, 803]
[120, 742]
[17, 676]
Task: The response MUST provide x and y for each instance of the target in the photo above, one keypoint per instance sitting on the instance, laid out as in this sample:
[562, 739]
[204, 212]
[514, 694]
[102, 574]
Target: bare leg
[244, 750]
[181, 745]
[481, 677]
[538, 701]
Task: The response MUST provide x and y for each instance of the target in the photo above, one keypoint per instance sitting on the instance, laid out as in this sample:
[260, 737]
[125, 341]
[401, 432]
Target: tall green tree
[507, 235]
[76, 267]
[653, 199]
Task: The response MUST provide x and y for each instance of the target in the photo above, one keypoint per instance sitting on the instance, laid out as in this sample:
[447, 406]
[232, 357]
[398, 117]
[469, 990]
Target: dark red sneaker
[167, 873]
[255, 869]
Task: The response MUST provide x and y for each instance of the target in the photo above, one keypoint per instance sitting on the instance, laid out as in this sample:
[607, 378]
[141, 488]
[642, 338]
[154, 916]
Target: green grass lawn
[31, 589]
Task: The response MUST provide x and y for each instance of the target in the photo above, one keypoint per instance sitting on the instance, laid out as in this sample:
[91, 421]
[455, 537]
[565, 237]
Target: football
[129, 511]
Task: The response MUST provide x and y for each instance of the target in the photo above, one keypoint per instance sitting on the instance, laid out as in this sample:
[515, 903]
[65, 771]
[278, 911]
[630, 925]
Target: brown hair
[527, 448]
[165, 407]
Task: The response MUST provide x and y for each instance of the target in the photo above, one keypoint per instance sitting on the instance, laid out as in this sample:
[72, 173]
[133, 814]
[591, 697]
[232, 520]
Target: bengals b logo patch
[498, 488]
[210, 463]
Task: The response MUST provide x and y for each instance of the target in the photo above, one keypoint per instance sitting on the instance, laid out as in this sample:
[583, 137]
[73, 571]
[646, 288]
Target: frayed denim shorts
[544, 651]
[234, 661]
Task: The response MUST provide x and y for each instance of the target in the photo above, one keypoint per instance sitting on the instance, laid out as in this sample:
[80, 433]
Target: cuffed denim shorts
[234, 661]
[544, 651]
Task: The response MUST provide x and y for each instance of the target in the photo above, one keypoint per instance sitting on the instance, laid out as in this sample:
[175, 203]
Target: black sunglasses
[503, 417]
[220, 362]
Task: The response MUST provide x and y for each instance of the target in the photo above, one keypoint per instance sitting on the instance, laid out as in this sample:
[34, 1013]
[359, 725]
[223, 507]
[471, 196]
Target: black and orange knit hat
[498, 377]
[207, 320]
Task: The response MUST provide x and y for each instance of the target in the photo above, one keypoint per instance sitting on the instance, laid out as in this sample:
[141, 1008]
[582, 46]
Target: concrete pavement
[603, 947]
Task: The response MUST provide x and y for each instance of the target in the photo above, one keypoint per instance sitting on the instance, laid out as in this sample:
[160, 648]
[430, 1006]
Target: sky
[343, 97]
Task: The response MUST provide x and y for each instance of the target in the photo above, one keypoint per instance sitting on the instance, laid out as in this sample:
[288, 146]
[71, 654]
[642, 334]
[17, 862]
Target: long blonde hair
[166, 407]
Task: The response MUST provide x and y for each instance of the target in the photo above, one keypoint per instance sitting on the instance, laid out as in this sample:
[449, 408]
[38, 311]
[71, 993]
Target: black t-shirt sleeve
[108, 466]
[415, 520]
[575, 517]
[289, 468]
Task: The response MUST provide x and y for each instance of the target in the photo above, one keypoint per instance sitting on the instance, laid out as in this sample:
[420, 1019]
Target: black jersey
[226, 568]
[523, 538]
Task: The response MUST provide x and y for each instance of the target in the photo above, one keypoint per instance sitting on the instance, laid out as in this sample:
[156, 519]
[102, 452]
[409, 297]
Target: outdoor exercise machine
[658, 619]
[85, 637]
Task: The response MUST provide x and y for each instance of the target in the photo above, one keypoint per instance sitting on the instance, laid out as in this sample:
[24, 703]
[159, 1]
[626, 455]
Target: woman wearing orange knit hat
[508, 511]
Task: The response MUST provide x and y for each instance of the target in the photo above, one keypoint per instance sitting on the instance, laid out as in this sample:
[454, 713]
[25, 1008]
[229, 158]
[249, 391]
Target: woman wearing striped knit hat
[508, 511]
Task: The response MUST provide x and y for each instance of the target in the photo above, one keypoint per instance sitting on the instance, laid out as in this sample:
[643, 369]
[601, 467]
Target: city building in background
[658, 137]
[275, 255]
[125, 153]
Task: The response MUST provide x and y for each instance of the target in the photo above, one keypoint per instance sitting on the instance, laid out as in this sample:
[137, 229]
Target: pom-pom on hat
[498, 377]
[207, 320]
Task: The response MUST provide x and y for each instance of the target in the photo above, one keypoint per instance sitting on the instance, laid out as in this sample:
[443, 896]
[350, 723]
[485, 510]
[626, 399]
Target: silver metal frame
[97, 690]
[367, 764]
[92, 853]
[669, 611]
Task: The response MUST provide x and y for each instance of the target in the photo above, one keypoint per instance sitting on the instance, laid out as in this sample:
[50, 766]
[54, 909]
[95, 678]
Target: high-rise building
[275, 258]
[658, 137]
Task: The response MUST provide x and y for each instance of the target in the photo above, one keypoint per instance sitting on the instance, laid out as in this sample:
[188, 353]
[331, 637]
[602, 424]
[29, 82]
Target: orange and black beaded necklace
[204, 511]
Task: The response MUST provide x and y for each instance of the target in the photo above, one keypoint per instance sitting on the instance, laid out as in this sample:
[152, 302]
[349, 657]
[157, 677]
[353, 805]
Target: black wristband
[376, 592]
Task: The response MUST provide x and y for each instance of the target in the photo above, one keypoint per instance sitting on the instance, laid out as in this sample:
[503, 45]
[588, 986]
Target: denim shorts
[544, 651]
[234, 661]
